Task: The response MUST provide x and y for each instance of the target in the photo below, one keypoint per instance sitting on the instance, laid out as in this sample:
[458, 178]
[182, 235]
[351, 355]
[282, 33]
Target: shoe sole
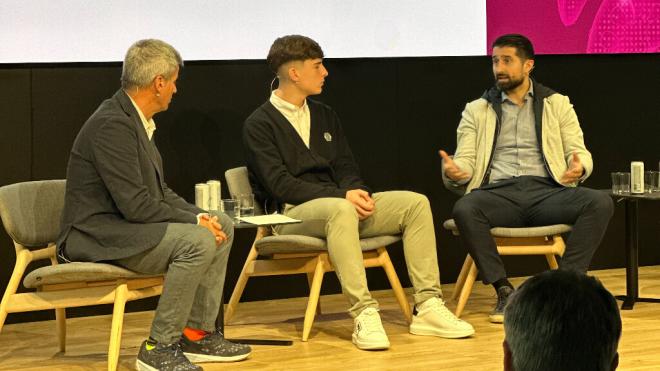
[141, 366]
[428, 331]
[370, 346]
[496, 318]
[200, 358]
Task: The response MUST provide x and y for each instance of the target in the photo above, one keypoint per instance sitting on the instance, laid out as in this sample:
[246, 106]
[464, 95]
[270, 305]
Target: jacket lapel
[148, 145]
[539, 98]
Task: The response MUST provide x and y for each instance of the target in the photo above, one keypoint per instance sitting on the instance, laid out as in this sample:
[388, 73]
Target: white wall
[95, 30]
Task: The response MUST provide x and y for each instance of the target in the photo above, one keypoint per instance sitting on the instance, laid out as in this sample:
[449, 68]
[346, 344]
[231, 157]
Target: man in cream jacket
[521, 154]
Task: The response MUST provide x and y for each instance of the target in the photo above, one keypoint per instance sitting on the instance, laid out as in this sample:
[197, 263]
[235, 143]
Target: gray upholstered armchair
[297, 254]
[30, 212]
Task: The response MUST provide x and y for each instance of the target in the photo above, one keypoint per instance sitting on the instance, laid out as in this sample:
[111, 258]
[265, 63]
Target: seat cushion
[303, 244]
[77, 272]
[547, 230]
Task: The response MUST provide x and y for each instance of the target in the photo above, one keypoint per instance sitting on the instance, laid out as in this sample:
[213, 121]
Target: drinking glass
[231, 208]
[625, 182]
[246, 202]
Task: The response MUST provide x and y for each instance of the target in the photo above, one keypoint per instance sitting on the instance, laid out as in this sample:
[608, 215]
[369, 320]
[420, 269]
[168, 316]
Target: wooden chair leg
[240, 285]
[310, 279]
[400, 295]
[552, 261]
[314, 293]
[121, 293]
[460, 281]
[60, 320]
[559, 244]
[23, 258]
[467, 289]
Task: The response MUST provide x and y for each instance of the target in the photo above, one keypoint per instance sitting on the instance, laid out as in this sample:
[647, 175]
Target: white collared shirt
[150, 125]
[298, 116]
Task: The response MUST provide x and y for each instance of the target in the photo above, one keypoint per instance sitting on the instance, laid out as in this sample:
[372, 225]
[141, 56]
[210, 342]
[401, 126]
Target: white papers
[270, 219]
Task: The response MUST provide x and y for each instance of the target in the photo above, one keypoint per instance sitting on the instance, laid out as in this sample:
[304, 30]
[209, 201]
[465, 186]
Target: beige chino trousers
[396, 212]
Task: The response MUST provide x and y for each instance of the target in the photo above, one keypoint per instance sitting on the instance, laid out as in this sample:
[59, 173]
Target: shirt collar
[285, 106]
[149, 125]
[530, 92]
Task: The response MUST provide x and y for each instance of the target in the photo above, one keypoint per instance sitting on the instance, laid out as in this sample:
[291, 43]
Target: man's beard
[509, 84]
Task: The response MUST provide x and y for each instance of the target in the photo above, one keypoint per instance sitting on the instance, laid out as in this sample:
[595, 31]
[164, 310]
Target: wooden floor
[33, 346]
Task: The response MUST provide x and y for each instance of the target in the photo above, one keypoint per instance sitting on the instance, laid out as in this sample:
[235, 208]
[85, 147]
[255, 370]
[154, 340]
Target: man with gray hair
[118, 209]
[561, 320]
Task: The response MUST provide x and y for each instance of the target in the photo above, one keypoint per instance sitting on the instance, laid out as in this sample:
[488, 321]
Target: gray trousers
[396, 212]
[530, 201]
[195, 275]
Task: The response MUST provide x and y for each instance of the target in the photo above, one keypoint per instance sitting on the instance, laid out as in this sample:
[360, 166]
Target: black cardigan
[283, 170]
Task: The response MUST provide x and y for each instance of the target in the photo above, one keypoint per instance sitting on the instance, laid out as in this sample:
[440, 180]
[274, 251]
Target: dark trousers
[530, 201]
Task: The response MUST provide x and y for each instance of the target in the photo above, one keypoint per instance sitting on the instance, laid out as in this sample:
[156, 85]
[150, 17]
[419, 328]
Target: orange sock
[194, 334]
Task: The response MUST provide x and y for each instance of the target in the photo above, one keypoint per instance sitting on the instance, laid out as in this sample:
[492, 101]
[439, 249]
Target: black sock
[502, 282]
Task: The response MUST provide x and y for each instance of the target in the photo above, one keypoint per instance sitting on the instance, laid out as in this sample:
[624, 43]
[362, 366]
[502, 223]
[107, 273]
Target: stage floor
[33, 346]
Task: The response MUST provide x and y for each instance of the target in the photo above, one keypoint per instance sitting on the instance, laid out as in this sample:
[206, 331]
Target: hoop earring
[273, 82]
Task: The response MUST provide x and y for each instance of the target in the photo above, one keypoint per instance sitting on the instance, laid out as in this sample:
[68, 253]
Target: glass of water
[620, 183]
[246, 202]
[231, 208]
[651, 181]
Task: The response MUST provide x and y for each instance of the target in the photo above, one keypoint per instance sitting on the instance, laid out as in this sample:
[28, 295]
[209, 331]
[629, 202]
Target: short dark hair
[292, 48]
[524, 48]
[562, 320]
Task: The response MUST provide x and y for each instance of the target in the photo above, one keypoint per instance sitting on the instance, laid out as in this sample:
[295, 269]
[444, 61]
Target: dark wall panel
[15, 125]
[62, 100]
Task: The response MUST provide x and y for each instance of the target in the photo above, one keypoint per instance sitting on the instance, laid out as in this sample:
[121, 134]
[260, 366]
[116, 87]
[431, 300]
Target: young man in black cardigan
[301, 164]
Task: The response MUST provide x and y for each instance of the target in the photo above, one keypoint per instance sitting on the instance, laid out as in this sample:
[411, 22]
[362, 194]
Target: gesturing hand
[574, 172]
[364, 204]
[452, 171]
[211, 223]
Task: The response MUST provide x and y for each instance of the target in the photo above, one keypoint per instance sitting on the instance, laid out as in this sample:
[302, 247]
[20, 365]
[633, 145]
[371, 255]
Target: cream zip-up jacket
[557, 128]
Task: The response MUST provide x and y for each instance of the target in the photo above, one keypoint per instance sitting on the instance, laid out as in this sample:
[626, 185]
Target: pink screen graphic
[578, 26]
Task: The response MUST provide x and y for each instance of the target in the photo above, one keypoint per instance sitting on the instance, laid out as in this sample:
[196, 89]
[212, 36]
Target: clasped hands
[571, 175]
[364, 204]
[211, 223]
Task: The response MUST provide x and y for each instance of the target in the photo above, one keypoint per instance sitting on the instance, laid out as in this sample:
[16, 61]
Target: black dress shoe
[497, 315]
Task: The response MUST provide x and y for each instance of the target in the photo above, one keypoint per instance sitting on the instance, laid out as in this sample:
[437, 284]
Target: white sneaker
[368, 332]
[433, 318]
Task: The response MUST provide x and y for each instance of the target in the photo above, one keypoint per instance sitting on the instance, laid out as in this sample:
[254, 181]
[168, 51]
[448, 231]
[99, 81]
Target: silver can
[215, 194]
[636, 177]
[202, 196]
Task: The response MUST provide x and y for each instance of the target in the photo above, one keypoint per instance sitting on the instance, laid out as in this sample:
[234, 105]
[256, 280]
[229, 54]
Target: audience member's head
[561, 320]
[148, 59]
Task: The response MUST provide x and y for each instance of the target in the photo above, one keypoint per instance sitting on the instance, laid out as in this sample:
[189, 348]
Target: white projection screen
[42, 31]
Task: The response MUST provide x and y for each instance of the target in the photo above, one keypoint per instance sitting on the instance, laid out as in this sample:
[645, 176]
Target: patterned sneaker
[433, 318]
[163, 357]
[497, 315]
[214, 348]
[368, 333]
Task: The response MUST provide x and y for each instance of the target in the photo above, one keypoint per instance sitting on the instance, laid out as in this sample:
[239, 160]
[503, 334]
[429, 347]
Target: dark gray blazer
[117, 203]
